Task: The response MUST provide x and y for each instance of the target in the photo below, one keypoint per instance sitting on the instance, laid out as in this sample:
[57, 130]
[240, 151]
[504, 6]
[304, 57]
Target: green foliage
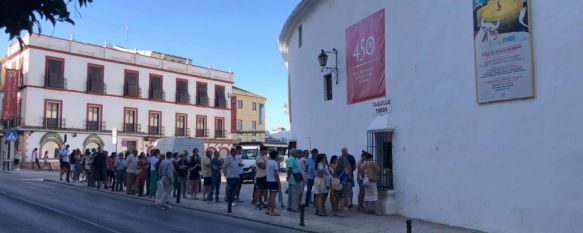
[20, 15]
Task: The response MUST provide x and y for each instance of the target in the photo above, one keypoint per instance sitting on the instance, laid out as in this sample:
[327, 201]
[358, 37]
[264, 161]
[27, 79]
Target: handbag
[336, 184]
[298, 177]
[318, 181]
[373, 174]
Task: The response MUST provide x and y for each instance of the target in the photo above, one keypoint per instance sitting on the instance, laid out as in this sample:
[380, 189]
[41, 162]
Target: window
[131, 84]
[261, 107]
[156, 89]
[219, 128]
[379, 143]
[55, 72]
[239, 124]
[328, 87]
[95, 79]
[254, 127]
[201, 129]
[254, 106]
[182, 95]
[130, 120]
[154, 123]
[300, 32]
[52, 114]
[240, 104]
[220, 100]
[181, 124]
[201, 94]
[93, 117]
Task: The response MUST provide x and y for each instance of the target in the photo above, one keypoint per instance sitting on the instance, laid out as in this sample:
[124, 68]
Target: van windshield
[249, 154]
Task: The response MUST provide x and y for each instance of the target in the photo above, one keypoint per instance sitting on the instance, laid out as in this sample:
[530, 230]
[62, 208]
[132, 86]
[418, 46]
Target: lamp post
[323, 60]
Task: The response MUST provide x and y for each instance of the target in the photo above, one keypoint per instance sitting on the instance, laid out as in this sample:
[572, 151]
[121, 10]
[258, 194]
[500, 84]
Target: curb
[186, 207]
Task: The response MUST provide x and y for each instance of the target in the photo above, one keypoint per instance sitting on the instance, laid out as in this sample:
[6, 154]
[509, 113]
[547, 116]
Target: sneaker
[233, 204]
[264, 206]
[258, 207]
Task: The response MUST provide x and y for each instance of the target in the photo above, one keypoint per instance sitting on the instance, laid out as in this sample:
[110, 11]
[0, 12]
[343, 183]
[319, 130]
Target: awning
[379, 123]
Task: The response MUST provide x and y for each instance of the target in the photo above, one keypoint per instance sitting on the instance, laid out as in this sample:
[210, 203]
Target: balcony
[202, 100]
[54, 123]
[94, 125]
[97, 89]
[131, 128]
[220, 103]
[202, 133]
[55, 82]
[220, 133]
[12, 123]
[132, 92]
[156, 130]
[182, 98]
[181, 132]
[157, 95]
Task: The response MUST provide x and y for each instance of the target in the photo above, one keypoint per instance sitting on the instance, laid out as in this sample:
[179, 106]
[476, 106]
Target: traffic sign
[11, 136]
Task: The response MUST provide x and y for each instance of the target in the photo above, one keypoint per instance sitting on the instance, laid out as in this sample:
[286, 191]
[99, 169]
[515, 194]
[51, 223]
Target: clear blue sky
[237, 34]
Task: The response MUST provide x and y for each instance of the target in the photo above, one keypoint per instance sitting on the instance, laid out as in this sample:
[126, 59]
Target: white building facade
[76, 93]
[511, 166]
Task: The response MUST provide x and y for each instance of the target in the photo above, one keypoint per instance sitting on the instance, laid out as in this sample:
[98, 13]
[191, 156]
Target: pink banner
[10, 101]
[365, 58]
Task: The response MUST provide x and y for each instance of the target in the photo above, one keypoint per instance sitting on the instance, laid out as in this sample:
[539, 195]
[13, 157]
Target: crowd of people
[312, 178]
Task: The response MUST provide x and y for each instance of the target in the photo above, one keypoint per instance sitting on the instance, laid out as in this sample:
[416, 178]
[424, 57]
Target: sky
[241, 35]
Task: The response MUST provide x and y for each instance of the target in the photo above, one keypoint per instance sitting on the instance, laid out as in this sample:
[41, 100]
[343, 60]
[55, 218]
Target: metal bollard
[302, 216]
[178, 192]
[230, 206]
[409, 222]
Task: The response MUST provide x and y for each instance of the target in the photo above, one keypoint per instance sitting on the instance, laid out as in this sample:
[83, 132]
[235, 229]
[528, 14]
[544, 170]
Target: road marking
[32, 179]
[60, 212]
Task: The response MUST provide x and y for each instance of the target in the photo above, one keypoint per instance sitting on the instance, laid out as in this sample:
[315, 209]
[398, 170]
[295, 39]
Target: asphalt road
[29, 205]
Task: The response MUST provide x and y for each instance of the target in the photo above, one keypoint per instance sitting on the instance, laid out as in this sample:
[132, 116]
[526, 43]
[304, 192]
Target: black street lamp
[323, 60]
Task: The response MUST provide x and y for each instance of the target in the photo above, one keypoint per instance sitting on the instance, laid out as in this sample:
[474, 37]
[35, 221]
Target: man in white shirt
[65, 155]
[260, 179]
[239, 150]
[166, 173]
[232, 173]
[35, 159]
[131, 165]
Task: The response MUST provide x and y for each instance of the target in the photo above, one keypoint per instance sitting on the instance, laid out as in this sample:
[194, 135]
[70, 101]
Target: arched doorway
[51, 143]
[92, 142]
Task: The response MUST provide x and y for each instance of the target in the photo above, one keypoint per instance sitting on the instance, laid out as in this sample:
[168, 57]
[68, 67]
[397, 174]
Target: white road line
[60, 212]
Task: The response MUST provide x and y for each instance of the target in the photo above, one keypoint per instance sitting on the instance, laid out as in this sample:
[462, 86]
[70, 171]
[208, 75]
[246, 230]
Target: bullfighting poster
[502, 50]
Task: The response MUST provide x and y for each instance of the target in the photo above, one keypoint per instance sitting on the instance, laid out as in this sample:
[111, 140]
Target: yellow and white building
[250, 116]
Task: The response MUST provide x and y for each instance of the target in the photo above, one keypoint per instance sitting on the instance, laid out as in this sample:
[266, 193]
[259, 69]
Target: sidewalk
[353, 222]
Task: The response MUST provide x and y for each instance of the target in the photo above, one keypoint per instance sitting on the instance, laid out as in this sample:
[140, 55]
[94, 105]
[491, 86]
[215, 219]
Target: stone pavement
[353, 222]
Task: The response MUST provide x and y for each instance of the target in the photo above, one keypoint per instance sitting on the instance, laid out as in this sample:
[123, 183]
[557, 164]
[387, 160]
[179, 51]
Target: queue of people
[312, 178]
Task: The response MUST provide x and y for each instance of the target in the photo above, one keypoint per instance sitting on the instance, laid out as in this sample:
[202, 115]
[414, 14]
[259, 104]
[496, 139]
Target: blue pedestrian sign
[11, 136]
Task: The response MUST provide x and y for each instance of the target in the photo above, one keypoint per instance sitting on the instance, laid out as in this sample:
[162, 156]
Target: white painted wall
[504, 167]
[74, 103]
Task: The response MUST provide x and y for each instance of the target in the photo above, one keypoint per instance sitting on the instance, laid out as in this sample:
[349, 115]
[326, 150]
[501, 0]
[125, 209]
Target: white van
[179, 145]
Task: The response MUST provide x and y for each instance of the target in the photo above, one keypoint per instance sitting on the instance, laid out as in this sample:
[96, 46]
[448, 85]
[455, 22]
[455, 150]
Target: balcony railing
[220, 103]
[131, 128]
[220, 133]
[202, 133]
[181, 132]
[182, 98]
[12, 123]
[54, 123]
[202, 100]
[156, 130]
[129, 93]
[95, 125]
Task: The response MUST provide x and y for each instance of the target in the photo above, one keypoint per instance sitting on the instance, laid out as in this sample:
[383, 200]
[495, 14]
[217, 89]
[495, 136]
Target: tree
[20, 15]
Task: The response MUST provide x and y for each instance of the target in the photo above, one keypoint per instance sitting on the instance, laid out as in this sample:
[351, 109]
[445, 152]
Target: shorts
[110, 173]
[65, 165]
[206, 181]
[272, 186]
[261, 182]
[345, 191]
[98, 174]
[16, 162]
